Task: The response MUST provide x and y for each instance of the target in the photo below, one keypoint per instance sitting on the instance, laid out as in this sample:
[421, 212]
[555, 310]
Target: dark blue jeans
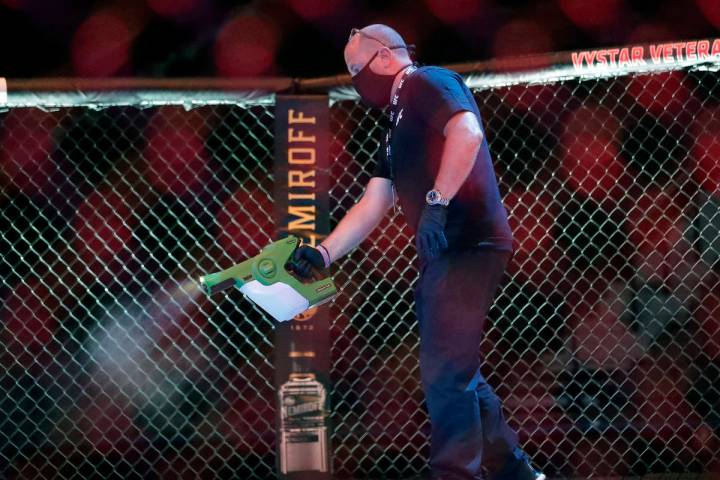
[468, 428]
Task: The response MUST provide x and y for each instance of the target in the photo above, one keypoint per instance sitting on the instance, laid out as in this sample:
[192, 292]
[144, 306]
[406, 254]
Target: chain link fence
[603, 341]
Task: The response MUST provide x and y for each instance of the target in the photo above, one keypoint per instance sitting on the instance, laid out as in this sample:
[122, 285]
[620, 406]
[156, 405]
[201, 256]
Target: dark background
[305, 38]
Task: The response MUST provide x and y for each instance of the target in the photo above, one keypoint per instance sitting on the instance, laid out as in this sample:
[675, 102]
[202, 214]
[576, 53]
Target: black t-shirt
[476, 215]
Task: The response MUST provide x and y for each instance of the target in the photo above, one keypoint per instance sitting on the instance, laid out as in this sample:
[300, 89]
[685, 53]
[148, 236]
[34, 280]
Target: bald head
[380, 39]
[389, 36]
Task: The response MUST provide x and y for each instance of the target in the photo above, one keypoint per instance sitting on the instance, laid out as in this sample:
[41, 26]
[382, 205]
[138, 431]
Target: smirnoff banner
[302, 345]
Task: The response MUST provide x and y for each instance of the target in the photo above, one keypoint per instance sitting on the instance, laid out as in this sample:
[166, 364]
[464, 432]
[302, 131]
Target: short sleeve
[382, 167]
[438, 94]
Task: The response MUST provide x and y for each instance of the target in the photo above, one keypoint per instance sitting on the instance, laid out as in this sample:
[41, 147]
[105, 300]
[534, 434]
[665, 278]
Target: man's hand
[430, 237]
[305, 259]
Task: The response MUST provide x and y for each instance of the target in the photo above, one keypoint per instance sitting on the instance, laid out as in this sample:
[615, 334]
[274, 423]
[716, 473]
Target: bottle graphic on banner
[303, 414]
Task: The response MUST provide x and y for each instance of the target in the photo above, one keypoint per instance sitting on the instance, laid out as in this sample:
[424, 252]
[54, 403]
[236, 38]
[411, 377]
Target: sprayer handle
[306, 258]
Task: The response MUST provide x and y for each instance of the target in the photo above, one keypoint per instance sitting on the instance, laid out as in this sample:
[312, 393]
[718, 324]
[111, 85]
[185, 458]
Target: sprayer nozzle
[212, 285]
[203, 285]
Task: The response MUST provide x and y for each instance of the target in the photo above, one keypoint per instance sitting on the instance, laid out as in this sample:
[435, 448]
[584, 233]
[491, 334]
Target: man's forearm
[354, 227]
[457, 161]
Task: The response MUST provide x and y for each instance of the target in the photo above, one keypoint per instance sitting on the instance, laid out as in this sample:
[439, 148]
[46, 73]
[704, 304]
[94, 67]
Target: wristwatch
[434, 197]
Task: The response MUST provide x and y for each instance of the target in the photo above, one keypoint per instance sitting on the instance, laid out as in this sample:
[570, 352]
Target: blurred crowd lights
[705, 151]
[27, 144]
[104, 233]
[101, 45]
[30, 319]
[521, 37]
[592, 15]
[246, 46]
[249, 40]
[711, 10]
[240, 234]
[318, 9]
[174, 8]
[455, 11]
[175, 154]
[247, 43]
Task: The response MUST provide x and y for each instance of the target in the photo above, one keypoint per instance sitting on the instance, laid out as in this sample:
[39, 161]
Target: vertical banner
[302, 347]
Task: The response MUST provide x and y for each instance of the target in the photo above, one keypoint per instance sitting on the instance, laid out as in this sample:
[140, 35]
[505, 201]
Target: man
[436, 158]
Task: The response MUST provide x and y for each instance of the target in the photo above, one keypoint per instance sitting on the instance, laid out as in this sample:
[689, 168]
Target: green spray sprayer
[266, 281]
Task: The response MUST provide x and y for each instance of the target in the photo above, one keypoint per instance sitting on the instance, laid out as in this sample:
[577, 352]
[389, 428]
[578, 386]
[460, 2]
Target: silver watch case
[434, 197]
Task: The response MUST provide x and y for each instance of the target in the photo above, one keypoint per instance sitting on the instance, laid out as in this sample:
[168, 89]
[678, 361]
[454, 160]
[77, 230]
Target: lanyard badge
[394, 120]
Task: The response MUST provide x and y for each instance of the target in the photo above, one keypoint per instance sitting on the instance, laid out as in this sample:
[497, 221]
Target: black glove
[430, 237]
[306, 258]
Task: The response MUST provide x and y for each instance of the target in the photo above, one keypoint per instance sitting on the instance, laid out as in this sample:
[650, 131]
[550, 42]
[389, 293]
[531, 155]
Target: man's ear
[385, 56]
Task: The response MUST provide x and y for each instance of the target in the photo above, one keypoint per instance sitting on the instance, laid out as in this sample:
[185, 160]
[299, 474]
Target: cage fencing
[603, 341]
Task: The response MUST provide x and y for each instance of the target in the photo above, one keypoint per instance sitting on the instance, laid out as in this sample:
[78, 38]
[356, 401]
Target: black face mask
[374, 88]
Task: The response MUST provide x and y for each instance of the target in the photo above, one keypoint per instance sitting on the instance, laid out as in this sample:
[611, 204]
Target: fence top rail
[703, 54]
[100, 93]
[68, 84]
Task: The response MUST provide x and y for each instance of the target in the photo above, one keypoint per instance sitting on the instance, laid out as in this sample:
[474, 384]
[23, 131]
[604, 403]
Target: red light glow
[13, 4]
[591, 159]
[172, 8]
[453, 11]
[103, 224]
[521, 37]
[101, 45]
[657, 227]
[244, 223]
[590, 164]
[27, 140]
[711, 11]
[29, 317]
[665, 95]
[651, 33]
[532, 218]
[175, 152]
[705, 151]
[107, 422]
[246, 46]
[591, 15]
[317, 9]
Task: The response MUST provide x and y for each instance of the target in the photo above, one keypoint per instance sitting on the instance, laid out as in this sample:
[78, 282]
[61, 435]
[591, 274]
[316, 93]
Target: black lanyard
[393, 114]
